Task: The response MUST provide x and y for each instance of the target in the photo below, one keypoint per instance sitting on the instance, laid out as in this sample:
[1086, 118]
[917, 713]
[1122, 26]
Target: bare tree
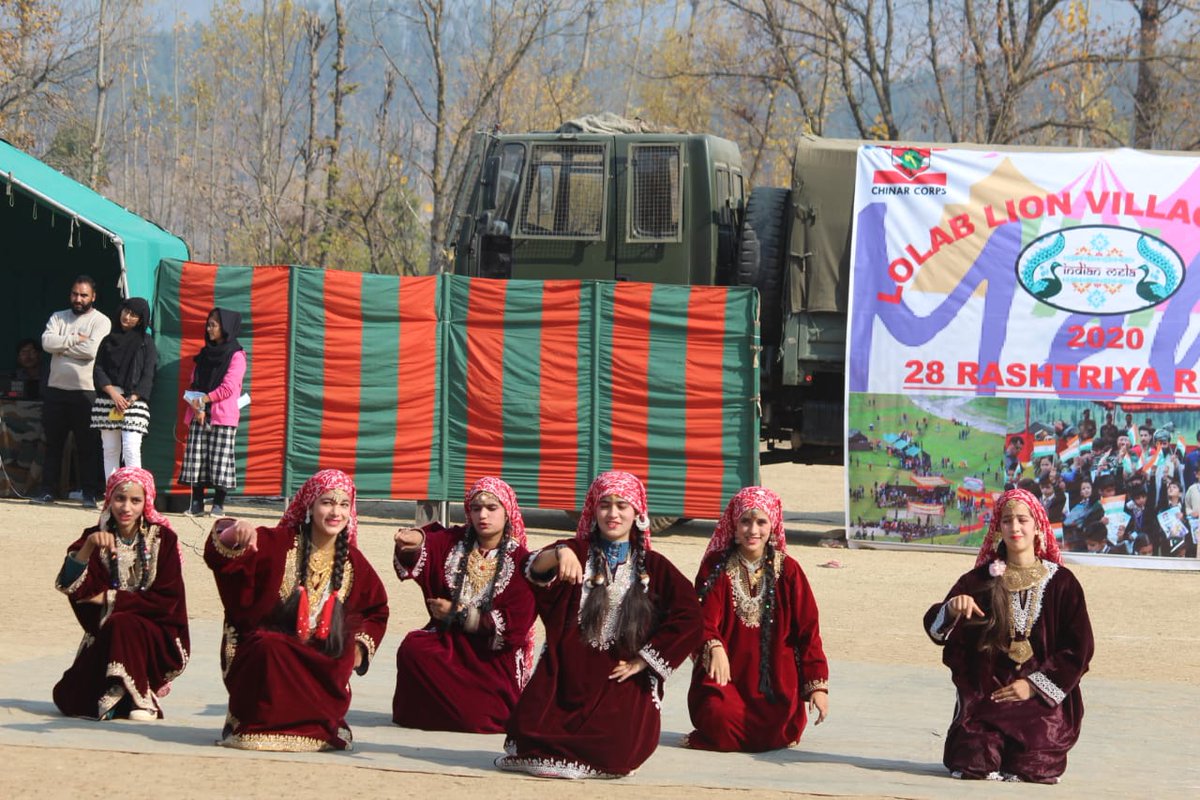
[455, 88]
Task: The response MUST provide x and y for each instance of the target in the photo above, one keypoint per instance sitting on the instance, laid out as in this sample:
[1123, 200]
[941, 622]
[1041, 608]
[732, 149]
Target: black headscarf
[212, 362]
[119, 350]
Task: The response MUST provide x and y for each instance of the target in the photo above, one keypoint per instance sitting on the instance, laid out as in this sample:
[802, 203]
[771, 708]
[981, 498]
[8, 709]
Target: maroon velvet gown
[572, 721]
[285, 694]
[1028, 738]
[452, 680]
[737, 716]
[135, 643]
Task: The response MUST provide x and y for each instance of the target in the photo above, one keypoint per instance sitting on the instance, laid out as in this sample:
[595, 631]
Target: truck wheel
[760, 259]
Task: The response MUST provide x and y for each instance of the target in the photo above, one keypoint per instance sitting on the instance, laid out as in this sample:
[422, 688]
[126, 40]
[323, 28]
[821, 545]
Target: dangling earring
[308, 516]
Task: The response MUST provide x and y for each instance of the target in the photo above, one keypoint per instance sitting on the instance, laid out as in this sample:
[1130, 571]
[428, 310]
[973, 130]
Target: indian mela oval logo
[1100, 269]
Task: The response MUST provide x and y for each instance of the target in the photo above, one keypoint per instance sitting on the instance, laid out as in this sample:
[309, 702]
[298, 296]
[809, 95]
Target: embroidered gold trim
[229, 643]
[820, 685]
[367, 642]
[75, 584]
[278, 742]
[227, 552]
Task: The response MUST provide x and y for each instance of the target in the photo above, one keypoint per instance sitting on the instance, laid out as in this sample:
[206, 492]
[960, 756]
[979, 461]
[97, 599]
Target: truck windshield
[564, 197]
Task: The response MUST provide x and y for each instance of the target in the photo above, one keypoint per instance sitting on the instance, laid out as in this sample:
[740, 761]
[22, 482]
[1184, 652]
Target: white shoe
[143, 715]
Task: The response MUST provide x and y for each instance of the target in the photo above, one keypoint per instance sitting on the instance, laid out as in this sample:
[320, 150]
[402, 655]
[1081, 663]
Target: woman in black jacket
[124, 376]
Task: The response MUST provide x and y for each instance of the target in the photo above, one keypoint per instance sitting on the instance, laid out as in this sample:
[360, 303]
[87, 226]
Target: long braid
[595, 608]
[718, 569]
[460, 576]
[635, 617]
[341, 554]
[143, 559]
[335, 642]
[485, 605]
[114, 565]
[303, 546]
[767, 624]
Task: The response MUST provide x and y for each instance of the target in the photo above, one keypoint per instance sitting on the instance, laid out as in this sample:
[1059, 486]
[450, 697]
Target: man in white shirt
[73, 337]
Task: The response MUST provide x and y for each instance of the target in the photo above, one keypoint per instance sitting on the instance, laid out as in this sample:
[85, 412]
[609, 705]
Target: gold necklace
[1026, 604]
[1018, 579]
[320, 568]
[480, 570]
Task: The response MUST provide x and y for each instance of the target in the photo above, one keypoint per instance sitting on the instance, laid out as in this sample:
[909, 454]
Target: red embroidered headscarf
[1045, 546]
[752, 497]
[143, 479]
[624, 485]
[508, 499]
[324, 481]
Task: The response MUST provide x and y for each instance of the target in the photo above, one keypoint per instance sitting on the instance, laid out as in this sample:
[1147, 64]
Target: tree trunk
[102, 83]
[1147, 110]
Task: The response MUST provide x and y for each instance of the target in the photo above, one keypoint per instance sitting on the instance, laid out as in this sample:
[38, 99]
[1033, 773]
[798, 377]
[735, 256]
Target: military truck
[621, 202]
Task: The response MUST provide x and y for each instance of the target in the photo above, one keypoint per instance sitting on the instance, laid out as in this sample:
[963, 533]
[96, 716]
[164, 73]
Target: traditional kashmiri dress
[449, 678]
[135, 642]
[738, 716]
[1051, 638]
[284, 692]
[572, 720]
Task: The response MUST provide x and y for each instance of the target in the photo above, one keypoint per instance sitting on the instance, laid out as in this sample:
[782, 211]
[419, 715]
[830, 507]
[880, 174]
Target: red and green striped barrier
[417, 386]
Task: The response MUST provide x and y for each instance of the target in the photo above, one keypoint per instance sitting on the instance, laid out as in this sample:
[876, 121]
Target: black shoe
[89, 502]
[42, 499]
[196, 509]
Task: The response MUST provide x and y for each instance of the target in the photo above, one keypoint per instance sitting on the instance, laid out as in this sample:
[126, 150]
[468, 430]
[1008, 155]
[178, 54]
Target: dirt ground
[871, 607]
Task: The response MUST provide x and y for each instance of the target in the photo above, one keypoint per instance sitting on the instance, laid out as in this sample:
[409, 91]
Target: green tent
[53, 228]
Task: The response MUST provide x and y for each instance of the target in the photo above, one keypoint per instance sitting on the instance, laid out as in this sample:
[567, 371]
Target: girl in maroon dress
[303, 610]
[619, 620]
[1016, 637]
[762, 656]
[465, 669]
[125, 582]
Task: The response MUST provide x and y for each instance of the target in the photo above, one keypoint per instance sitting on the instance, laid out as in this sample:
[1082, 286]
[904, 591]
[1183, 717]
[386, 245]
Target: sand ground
[890, 701]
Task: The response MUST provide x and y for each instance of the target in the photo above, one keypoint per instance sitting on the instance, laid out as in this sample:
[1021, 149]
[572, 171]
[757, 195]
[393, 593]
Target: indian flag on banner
[1181, 444]
[1113, 505]
[1043, 447]
[1149, 464]
[1085, 446]
[1071, 450]
[1057, 529]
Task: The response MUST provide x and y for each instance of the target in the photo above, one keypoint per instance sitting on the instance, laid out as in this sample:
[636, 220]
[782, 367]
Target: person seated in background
[1053, 499]
[1095, 537]
[29, 372]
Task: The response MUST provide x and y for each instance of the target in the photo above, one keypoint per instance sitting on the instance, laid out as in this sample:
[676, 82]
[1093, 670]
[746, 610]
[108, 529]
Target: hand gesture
[626, 669]
[439, 608]
[237, 534]
[964, 605]
[718, 665]
[409, 538]
[818, 703]
[569, 568]
[1018, 690]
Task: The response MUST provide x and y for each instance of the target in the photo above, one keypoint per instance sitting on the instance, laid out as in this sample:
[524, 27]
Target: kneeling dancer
[303, 610]
[1016, 636]
[619, 620]
[762, 657]
[125, 582]
[465, 669]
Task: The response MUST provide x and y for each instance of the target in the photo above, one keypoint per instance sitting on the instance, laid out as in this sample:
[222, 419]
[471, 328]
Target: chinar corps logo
[1100, 269]
[911, 174]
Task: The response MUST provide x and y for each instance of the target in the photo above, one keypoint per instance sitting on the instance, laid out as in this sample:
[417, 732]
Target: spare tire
[761, 257]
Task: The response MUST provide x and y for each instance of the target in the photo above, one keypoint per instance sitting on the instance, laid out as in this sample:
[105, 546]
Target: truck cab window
[564, 197]
[655, 206]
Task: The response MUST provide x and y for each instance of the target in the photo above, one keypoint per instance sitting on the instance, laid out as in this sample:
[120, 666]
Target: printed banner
[1025, 318]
